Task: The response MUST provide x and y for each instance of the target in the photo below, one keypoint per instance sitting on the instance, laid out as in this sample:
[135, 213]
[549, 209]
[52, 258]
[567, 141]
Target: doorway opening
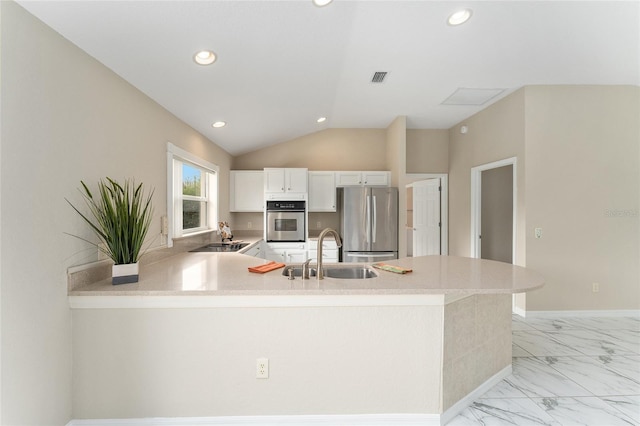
[427, 215]
[493, 211]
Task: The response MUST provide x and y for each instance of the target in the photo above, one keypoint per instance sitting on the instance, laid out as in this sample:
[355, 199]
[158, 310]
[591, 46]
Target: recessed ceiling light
[205, 57]
[219, 124]
[321, 3]
[459, 17]
[321, 119]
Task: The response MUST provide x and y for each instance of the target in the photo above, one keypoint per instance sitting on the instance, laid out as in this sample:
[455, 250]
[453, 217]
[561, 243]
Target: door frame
[476, 198]
[444, 203]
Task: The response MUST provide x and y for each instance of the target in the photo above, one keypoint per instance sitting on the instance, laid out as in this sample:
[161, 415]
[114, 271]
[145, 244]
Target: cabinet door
[348, 179]
[246, 192]
[296, 256]
[277, 255]
[328, 256]
[296, 180]
[274, 180]
[375, 178]
[256, 251]
[322, 192]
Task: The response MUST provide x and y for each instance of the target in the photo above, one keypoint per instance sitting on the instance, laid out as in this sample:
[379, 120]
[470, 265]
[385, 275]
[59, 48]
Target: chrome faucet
[305, 269]
[320, 273]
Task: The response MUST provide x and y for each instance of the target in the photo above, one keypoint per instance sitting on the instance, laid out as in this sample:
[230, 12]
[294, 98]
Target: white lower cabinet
[330, 252]
[286, 252]
[328, 256]
[256, 251]
[295, 252]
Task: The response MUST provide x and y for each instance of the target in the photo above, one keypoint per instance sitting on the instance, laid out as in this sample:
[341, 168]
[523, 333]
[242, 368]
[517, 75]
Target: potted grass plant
[120, 216]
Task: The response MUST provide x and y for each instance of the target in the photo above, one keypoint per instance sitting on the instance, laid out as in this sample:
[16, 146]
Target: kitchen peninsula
[183, 342]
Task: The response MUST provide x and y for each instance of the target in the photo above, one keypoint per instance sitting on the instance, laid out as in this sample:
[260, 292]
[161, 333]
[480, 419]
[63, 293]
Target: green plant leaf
[120, 217]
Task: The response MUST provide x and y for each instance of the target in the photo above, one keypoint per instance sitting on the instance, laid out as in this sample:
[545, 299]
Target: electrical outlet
[249, 225]
[262, 368]
[538, 232]
[318, 225]
[595, 287]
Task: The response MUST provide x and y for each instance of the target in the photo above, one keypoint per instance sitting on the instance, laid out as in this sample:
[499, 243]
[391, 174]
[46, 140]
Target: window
[194, 198]
[193, 194]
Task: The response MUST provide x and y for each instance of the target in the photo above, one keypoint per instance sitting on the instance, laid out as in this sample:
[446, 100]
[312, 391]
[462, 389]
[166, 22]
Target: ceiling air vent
[378, 76]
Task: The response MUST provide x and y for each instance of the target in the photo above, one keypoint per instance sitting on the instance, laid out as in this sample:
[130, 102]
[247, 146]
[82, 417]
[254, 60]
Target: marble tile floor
[566, 371]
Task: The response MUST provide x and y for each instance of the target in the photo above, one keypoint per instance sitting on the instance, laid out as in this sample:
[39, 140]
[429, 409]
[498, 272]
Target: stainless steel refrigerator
[369, 224]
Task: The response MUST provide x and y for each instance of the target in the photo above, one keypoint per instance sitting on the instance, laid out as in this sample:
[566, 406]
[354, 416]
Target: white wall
[65, 117]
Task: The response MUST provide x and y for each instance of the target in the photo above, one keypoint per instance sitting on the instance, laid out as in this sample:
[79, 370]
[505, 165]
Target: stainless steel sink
[350, 273]
[297, 271]
[355, 272]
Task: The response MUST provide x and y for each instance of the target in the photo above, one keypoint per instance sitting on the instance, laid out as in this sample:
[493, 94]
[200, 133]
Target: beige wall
[396, 149]
[396, 163]
[582, 148]
[577, 150]
[496, 133]
[427, 151]
[425, 359]
[477, 343]
[65, 117]
[133, 363]
[332, 149]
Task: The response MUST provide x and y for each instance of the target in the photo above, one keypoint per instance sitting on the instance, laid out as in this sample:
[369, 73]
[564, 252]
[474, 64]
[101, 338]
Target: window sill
[193, 234]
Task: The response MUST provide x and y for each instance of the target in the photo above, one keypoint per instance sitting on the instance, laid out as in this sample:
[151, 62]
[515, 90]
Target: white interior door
[426, 217]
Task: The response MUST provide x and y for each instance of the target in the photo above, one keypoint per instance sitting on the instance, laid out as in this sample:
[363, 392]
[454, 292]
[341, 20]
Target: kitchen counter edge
[417, 288]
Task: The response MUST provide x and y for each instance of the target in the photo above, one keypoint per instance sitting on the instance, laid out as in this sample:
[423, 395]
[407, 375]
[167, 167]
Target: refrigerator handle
[374, 227]
[367, 221]
[372, 255]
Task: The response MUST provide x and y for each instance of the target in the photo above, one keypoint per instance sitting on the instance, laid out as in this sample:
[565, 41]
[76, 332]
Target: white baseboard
[324, 420]
[519, 311]
[465, 402]
[599, 313]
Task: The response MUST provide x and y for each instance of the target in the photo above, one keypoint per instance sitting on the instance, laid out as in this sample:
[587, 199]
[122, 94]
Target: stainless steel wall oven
[286, 221]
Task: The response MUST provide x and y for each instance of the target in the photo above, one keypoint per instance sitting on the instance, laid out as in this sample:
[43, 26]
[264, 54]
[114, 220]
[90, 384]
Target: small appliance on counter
[225, 231]
[227, 243]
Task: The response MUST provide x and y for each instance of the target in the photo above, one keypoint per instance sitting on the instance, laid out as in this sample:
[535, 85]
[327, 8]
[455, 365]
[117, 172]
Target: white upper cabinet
[279, 180]
[246, 191]
[322, 192]
[363, 178]
[348, 178]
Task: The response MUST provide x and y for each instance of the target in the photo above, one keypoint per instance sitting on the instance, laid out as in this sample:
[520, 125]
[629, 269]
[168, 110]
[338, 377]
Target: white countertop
[226, 274]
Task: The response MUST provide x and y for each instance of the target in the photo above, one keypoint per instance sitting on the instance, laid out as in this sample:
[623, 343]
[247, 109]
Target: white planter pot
[124, 274]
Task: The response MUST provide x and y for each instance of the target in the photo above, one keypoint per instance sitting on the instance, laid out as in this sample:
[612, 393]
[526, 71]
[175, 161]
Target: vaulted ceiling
[283, 64]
